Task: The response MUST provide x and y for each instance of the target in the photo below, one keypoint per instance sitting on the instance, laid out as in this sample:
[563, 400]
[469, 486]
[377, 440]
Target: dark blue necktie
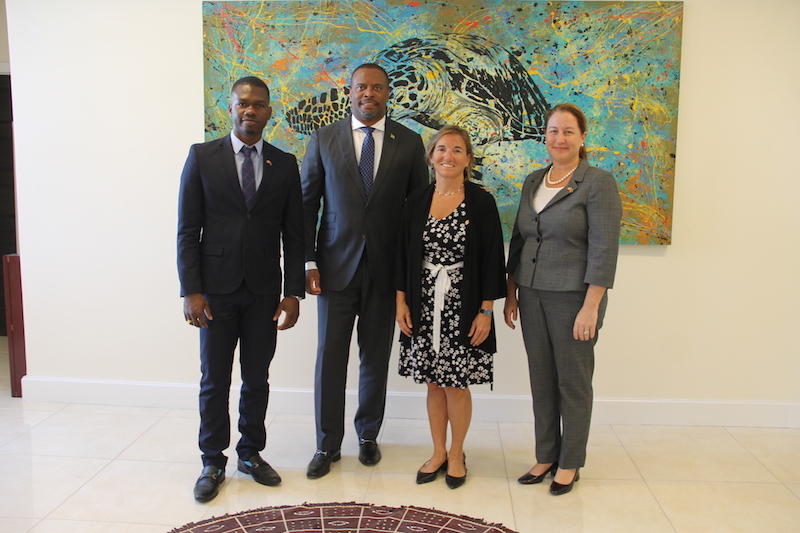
[248, 176]
[367, 164]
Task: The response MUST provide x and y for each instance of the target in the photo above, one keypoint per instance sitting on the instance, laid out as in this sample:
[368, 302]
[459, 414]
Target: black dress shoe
[260, 470]
[529, 479]
[454, 482]
[427, 477]
[557, 489]
[321, 463]
[369, 454]
[207, 486]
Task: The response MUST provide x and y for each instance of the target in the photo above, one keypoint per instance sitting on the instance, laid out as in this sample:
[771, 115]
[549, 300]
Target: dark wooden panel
[15, 324]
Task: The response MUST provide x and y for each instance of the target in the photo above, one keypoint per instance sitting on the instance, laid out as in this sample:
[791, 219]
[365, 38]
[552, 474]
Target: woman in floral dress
[449, 272]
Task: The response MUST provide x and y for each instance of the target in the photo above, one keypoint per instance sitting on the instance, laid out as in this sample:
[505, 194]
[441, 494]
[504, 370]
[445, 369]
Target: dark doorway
[8, 223]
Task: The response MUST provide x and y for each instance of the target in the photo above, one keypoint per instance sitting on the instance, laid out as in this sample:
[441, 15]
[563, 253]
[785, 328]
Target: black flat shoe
[368, 452]
[207, 485]
[320, 465]
[557, 489]
[427, 477]
[454, 482]
[260, 470]
[529, 479]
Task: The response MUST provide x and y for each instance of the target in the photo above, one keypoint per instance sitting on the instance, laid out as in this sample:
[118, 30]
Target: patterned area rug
[340, 518]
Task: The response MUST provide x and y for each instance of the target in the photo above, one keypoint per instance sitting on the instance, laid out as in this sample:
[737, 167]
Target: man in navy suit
[240, 197]
[361, 169]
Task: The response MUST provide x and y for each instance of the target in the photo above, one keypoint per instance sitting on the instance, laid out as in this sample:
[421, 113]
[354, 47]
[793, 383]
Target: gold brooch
[569, 189]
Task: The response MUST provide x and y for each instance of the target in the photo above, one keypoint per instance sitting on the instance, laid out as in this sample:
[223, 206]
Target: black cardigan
[484, 258]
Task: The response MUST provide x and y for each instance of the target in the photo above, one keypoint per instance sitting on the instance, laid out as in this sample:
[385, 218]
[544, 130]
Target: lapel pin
[391, 135]
[569, 189]
[269, 162]
[466, 222]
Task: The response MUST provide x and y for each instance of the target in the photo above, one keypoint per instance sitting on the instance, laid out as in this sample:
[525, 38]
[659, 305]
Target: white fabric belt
[440, 288]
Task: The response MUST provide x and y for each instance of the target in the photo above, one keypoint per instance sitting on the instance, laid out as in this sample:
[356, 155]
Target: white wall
[702, 331]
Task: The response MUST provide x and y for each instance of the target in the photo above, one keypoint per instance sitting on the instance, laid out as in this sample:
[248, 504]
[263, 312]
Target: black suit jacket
[221, 242]
[350, 222]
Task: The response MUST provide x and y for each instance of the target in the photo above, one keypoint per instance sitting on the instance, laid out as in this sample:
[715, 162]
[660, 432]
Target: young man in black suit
[240, 199]
[361, 169]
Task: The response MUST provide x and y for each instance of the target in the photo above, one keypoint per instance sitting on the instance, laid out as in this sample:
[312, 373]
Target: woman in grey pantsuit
[562, 259]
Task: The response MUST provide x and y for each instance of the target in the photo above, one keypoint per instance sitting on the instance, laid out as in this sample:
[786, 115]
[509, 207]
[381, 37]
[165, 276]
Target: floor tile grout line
[778, 479]
[509, 480]
[28, 429]
[143, 433]
[73, 493]
[644, 479]
[38, 522]
[106, 466]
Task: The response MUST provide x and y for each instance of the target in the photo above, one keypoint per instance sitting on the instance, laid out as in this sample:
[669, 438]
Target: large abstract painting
[493, 67]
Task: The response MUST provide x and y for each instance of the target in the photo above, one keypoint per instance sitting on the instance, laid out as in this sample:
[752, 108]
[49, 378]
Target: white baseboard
[486, 407]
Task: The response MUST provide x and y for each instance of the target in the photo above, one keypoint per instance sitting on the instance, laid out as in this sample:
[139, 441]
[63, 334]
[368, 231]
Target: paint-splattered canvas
[491, 66]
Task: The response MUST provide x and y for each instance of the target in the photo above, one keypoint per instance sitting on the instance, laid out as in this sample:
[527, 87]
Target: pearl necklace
[550, 182]
[449, 193]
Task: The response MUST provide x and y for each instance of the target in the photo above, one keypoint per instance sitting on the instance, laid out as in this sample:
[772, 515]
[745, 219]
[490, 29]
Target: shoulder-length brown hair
[447, 130]
[575, 111]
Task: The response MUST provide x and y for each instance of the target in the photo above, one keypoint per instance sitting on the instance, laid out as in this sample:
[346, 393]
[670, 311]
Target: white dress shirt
[359, 136]
[258, 162]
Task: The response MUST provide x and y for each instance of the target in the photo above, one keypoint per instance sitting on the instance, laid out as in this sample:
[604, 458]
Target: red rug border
[191, 525]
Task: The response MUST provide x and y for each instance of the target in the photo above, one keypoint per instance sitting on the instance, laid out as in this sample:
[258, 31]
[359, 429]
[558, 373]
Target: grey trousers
[337, 313]
[561, 370]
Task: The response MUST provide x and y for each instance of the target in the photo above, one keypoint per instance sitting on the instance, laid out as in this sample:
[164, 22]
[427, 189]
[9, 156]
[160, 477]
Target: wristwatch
[487, 312]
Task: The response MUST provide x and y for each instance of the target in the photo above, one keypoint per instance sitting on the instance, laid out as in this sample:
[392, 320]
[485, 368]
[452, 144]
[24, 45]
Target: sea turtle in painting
[452, 78]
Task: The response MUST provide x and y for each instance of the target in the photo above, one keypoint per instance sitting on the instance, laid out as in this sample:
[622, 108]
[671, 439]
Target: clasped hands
[478, 332]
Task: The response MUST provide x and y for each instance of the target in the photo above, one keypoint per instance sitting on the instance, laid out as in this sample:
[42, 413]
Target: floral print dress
[454, 365]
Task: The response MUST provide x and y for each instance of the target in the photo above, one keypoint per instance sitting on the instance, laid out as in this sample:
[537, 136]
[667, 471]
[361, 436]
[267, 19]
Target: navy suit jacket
[221, 242]
[350, 222]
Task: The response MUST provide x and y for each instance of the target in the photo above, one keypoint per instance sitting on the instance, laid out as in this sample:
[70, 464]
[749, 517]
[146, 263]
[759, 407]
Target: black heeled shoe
[529, 479]
[427, 477]
[557, 489]
[454, 482]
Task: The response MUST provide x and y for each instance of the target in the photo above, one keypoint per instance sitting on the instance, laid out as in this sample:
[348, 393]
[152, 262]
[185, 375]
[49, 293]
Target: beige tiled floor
[70, 468]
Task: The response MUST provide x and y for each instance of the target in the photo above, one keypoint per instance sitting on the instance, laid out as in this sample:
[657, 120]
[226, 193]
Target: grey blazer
[350, 222]
[574, 240]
